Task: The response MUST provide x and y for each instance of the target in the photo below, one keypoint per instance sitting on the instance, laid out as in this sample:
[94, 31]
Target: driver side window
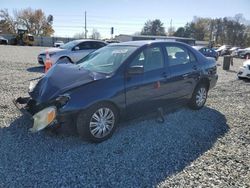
[150, 58]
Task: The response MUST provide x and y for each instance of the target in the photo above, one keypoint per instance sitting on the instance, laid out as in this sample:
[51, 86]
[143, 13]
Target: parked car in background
[245, 53]
[112, 41]
[3, 40]
[234, 51]
[116, 80]
[244, 71]
[73, 51]
[58, 43]
[208, 52]
[223, 50]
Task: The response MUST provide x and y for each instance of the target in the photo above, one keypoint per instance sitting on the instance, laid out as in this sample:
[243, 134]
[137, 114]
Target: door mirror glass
[136, 69]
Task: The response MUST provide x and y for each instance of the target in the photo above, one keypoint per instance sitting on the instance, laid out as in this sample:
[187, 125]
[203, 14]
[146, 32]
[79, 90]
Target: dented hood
[61, 78]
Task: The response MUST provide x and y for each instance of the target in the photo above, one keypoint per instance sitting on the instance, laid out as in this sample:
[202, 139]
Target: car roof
[199, 47]
[140, 43]
[86, 40]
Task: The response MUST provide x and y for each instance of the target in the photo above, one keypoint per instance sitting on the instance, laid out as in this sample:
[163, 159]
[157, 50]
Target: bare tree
[95, 34]
[7, 23]
[34, 21]
[79, 35]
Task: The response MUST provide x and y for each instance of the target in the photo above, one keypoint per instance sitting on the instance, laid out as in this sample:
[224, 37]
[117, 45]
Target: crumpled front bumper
[24, 105]
[21, 104]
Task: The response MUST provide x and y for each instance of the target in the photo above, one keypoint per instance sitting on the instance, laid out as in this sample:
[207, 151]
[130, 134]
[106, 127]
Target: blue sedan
[117, 80]
[208, 52]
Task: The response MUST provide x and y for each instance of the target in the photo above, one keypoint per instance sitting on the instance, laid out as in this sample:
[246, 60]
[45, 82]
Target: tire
[199, 97]
[98, 122]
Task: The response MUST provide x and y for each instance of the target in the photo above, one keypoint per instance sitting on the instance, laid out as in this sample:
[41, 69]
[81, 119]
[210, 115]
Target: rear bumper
[213, 81]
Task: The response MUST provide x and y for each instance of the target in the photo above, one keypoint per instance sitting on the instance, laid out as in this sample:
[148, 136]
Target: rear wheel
[97, 123]
[199, 97]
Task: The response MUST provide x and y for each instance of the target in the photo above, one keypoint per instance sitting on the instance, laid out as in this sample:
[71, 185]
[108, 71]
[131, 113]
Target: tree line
[225, 30]
[34, 21]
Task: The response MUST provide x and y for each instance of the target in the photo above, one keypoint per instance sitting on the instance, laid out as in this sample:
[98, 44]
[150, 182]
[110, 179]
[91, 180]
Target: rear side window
[178, 55]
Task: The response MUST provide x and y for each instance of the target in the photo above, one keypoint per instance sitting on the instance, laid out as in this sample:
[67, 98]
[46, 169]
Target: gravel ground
[206, 148]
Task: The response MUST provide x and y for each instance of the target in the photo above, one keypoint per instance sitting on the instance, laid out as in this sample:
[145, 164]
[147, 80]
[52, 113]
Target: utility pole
[85, 24]
[112, 32]
[171, 29]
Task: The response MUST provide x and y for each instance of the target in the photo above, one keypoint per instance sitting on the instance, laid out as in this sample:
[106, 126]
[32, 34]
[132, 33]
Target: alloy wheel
[201, 96]
[102, 122]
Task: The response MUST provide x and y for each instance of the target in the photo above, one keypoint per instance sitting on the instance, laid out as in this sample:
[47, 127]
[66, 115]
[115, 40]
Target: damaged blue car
[115, 81]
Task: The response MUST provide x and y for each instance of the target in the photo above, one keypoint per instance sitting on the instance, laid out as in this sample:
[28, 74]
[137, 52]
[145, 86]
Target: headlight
[43, 118]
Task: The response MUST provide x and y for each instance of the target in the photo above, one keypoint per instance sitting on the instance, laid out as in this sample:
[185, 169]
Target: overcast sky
[126, 16]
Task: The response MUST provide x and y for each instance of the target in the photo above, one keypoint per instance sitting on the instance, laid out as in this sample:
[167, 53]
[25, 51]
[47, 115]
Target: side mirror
[137, 69]
[76, 48]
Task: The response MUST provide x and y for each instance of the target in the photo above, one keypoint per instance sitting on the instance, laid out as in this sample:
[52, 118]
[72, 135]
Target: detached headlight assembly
[43, 118]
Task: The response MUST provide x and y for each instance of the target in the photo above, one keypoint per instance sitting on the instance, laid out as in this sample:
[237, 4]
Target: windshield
[69, 45]
[107, 59]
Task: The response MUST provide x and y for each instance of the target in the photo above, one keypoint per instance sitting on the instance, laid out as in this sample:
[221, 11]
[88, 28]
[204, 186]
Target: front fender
[102, 90]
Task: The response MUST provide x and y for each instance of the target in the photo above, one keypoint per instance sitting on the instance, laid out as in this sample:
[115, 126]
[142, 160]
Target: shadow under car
[140, 153]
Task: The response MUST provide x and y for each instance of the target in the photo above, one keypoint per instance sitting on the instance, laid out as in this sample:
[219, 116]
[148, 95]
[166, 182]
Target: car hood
[52, 50]
[60, 79]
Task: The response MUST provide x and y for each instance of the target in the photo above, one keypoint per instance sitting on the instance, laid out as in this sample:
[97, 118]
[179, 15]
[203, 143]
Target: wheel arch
[113, 104]
[64, 56]
[204, 81]
[118, 110]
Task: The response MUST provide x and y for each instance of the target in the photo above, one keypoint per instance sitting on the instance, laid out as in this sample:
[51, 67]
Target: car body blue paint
[130, 93]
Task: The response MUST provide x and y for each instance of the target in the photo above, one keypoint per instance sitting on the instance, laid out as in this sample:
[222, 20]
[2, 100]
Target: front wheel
[199, 97]
[98, 123]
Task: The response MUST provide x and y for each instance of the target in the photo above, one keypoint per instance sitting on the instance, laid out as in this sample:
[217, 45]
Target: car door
[146, 91]
[184, 70]
[81, 50]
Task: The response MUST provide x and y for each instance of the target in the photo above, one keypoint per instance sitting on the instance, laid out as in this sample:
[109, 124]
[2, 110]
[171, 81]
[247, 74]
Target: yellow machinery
[24, 38]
